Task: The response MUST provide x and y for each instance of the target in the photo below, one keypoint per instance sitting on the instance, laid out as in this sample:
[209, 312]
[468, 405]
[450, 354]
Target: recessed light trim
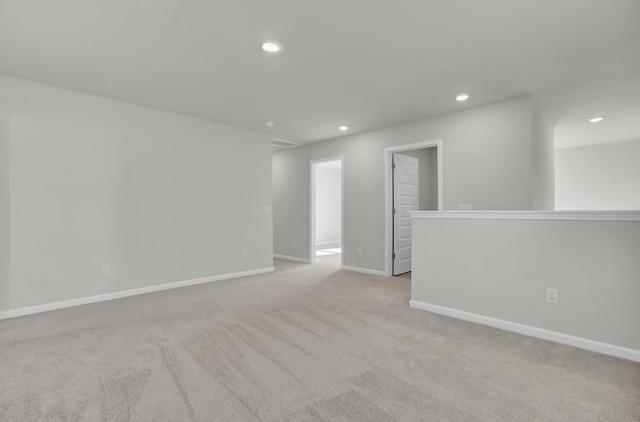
[344, 128]
[462, 97]
[271, 47]
[596, 119]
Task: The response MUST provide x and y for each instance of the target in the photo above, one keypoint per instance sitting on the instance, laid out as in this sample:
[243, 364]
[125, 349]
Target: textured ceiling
[364, 63]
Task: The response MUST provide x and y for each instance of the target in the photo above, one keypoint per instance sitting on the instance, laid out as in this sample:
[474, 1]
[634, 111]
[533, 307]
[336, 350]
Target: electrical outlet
[244, 253]
[552, 296]
[464, 207]
[106, 270]
[267, 210]
[359, 251]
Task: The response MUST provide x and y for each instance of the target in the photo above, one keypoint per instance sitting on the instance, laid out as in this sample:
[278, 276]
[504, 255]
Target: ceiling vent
[283, 144]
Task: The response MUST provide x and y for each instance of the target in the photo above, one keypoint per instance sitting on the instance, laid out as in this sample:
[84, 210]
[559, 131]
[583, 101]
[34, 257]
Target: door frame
[388, 192]
[312, 206]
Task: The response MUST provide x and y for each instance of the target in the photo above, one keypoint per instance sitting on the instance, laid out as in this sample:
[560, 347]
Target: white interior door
[405, 199]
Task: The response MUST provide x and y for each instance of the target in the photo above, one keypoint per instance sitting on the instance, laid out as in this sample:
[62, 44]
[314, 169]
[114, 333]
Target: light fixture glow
[344, 128]
[596, 119]
[462, 97]
[271, 47]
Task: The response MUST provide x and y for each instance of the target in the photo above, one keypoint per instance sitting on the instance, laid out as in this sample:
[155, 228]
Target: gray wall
[598, 177]
[291, 201]
[5, 231]
[501, 269]
[158, 196]
[487, 163]
[543, 156]
[433, 179]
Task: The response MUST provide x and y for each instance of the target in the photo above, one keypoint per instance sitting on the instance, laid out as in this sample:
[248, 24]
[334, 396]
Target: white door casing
[405, 199]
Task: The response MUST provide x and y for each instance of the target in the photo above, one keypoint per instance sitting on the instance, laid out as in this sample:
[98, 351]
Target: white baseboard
[364, 270]
[126, 293]
[582, 343]
[292, 258]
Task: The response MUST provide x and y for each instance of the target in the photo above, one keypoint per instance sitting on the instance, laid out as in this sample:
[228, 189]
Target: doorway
[403, 194]
[406, 192]
[326, 210]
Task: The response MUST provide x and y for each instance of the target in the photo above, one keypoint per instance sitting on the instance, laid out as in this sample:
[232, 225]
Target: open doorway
[413, 182]
[326, 210]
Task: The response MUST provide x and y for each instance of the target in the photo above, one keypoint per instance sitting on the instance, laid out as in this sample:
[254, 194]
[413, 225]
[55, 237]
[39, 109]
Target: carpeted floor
[306, 343]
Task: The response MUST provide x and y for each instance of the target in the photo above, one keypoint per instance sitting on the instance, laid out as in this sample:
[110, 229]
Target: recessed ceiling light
[271, 47]
[596, 119]
[462, 97]
[344, 128]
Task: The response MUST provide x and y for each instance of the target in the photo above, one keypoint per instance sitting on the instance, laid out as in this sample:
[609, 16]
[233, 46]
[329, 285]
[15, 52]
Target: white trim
[312, 205]
[126, 293]
[364, 270]
[388, 189]
[579, 342]
[532, 215]
[291, 258]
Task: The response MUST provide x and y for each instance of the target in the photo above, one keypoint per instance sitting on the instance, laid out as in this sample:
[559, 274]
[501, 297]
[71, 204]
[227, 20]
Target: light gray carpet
[307, 343]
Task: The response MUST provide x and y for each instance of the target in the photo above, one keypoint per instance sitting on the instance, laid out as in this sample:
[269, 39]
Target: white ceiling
[364, 63]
